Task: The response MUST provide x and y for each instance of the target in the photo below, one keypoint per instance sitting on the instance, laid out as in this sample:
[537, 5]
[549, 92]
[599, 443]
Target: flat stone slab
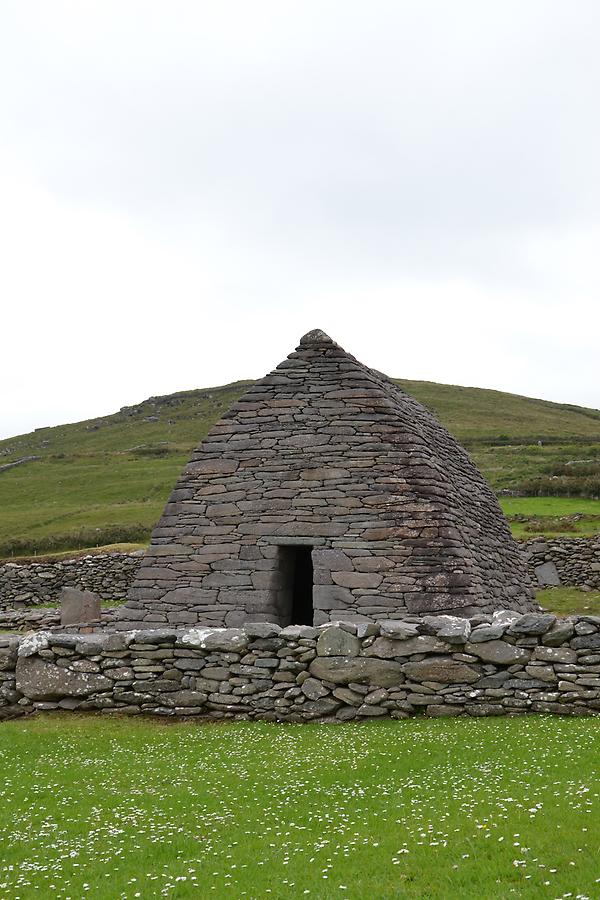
[388, 648]
[78, 606]
[228, 639]
[487, 633]
[444, 671]
[396, 628]
[498, 652]
[547, 575]
[533, 623]
[555, 654]
[359, 669]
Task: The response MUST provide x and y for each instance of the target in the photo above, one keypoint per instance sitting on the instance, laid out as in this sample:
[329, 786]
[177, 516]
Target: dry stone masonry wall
[568, 561]
[565, 561]
[39, 619]
[108, 575]
[330, 455]
[505, 664]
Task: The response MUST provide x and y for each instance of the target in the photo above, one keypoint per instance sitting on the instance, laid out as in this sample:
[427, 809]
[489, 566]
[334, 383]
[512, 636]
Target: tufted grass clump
[469, 808]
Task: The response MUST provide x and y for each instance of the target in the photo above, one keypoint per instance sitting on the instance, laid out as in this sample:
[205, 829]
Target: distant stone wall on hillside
[29, 584]
[498, 665]
[567, 561]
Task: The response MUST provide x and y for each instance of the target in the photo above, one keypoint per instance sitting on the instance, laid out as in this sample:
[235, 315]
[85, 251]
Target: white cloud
[186, 191]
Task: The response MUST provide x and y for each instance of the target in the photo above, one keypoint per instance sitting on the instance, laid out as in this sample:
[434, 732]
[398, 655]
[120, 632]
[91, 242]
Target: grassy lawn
[469, 808]
[566, 601]
[547, 527]
[549, 506]
[552, 516]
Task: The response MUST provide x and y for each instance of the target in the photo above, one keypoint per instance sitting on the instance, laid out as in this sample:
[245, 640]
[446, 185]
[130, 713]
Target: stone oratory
[327, 494]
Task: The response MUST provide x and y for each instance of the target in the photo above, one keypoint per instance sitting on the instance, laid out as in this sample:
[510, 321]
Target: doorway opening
[297, 569]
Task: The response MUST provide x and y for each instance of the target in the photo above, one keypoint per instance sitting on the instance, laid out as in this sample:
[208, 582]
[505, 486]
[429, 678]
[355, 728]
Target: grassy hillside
[107, 479]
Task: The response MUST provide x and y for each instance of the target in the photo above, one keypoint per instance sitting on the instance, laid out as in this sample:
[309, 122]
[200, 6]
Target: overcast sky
[187, 187]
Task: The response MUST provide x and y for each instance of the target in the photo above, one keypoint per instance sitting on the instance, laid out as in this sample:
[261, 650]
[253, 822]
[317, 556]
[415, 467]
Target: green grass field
[106, 480]
[437, 809]
[566, 601]
[552, 516]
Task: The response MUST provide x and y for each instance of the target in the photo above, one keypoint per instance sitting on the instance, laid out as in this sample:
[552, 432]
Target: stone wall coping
[454, 629]
[44, 562]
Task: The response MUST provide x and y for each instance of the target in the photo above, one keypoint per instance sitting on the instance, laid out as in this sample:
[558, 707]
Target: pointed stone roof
[328, 453]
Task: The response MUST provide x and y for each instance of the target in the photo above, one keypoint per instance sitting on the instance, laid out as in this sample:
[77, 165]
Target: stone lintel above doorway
[292, 541]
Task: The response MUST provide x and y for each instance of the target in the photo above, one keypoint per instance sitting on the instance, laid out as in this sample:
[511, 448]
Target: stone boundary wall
[35, 619]
[569, 561]
[29, 584]
[503, 664]
[576, 560]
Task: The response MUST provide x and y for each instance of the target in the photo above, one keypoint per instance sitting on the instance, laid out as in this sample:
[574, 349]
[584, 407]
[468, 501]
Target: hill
[106, 479]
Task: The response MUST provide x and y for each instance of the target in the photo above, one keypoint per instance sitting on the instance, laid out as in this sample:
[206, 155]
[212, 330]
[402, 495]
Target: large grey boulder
[39, 679]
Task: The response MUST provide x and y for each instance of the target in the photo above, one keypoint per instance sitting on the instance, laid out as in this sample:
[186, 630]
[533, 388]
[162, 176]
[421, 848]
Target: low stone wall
[568, 561]
[439, 665]
[36, 619]
[107, 574]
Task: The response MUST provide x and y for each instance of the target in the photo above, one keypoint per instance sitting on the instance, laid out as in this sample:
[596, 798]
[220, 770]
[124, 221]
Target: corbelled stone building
[326, 493]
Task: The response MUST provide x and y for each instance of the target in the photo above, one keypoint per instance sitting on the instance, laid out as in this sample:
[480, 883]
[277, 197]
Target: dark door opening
[297, 569]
